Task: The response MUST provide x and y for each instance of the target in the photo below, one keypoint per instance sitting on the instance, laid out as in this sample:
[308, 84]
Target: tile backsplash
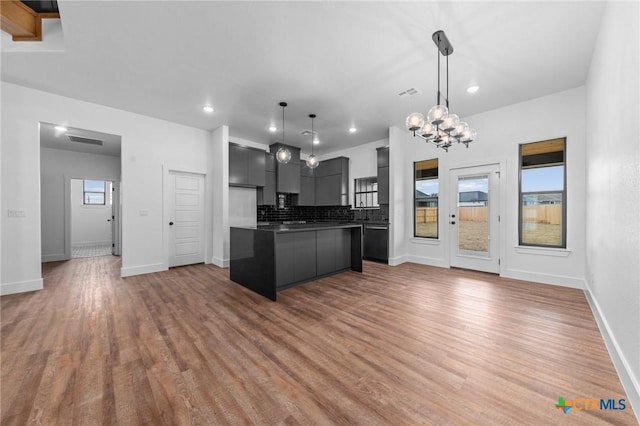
[291, 212]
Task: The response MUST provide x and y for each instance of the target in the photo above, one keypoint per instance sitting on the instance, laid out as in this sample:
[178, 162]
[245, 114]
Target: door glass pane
[473, 217]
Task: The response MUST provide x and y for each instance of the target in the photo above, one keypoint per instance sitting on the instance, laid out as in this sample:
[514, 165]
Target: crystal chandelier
[283, 155]
[440, 127]
[312, 161]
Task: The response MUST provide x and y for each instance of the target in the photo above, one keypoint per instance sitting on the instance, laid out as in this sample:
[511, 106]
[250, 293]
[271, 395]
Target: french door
[474, 218]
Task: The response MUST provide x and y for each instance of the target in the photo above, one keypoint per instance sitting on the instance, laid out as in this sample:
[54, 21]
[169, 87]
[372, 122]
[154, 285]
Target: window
[366, 192]
[94, 192]
[426, 198]
[543, 193]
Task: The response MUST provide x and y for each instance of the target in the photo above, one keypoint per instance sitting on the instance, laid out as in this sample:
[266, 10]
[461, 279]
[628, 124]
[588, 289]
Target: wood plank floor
[393, 346]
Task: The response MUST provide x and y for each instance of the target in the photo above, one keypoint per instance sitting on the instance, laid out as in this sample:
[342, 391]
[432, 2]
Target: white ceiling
[344, 61]
[52, 138]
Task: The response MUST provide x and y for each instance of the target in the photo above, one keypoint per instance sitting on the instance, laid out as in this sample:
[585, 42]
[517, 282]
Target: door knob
[108, 220]
[170, 223]
[453, 222]
[453, 215]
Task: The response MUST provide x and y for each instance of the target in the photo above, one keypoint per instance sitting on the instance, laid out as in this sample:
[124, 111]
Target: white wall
[613, 189]
[90, 224]
[219, 153]
[56, 167]
[500, 132]
[148, 144]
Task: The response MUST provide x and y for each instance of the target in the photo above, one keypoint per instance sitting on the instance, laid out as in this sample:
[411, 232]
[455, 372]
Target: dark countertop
[299, 227]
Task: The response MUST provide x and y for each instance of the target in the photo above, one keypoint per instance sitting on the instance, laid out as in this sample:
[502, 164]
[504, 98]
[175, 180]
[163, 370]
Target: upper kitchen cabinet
[332, 182]
[307, 195]
[287, 175]
[383, 175]
[267, 194]
[246, 166]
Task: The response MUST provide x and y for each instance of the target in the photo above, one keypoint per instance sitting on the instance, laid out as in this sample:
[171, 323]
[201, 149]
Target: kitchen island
[267, 259]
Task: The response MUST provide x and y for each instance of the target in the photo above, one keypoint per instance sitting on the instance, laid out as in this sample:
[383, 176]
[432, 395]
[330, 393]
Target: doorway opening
[79, 192]
[92, 218]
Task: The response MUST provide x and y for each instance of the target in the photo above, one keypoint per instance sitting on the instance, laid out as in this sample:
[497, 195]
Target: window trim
[374, 179]
[563, 243]
[415, 225]
[85, 192]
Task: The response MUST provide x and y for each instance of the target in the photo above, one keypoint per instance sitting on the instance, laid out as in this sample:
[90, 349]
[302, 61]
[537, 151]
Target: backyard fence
[545, 213]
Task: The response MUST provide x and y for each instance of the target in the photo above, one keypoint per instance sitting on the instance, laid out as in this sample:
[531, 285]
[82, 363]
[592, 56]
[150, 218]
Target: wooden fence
[546, 213]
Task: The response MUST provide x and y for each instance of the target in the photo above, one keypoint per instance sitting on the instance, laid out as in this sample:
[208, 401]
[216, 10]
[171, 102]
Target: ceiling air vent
[409, 92]
[80, 139]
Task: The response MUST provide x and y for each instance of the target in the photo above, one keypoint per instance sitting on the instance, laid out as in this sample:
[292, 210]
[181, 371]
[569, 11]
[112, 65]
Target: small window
[543, 194]
[94, 192]
[366, 192]
[426, 189]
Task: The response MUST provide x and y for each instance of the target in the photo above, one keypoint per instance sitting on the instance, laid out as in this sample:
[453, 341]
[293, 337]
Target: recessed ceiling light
[207, 108]
[272, 128]
[472, 89]
[352, 129]
[60, 128]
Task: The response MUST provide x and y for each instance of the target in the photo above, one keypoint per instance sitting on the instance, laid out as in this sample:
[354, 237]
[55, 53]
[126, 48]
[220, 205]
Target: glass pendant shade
[414, 121]
[312, 161]
[468, 136]
[427, 130]
[450, 123]
[437, 114]
[460, 129]
[283, 155]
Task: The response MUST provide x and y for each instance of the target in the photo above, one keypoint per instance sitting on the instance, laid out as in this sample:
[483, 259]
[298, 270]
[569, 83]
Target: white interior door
[474, 218]
[186, 218]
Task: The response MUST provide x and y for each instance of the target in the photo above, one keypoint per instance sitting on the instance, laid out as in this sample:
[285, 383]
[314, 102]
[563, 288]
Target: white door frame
[67, 209]
[501, 164]
[166, 208]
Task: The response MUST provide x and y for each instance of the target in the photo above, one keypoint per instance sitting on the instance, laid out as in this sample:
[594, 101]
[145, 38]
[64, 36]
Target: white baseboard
[429, 261]
[629, 382]
[143, 269]
[90, 243]
[559, 280]
[53, 257]
[395, 261]
[220, 262]
[21, 286]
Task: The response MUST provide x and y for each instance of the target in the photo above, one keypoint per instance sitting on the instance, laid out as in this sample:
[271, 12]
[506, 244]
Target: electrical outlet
[16, 213]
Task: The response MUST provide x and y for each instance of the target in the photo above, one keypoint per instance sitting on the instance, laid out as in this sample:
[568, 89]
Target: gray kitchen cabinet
[383, 175]
[295, 257]
[267, 194]
[246, 166]
[332, 182]
[333, 250]
[307, 196]
[284, 259]
[287, 175]
[304, 255]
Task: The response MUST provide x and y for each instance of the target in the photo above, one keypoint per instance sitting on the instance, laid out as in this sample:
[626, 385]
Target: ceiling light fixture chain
[440, 127]
[312, 161]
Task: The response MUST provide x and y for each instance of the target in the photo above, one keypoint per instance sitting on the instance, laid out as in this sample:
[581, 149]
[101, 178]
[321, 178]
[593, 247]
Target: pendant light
[283, 155]
[312, 161]
[440, 127]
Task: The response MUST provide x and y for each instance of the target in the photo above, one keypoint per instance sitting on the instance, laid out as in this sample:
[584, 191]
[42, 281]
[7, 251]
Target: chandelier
[440, 127]
[283, 155]
[312, 161]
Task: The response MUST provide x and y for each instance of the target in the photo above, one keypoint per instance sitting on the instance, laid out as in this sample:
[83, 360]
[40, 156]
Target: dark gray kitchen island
[267, 259]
